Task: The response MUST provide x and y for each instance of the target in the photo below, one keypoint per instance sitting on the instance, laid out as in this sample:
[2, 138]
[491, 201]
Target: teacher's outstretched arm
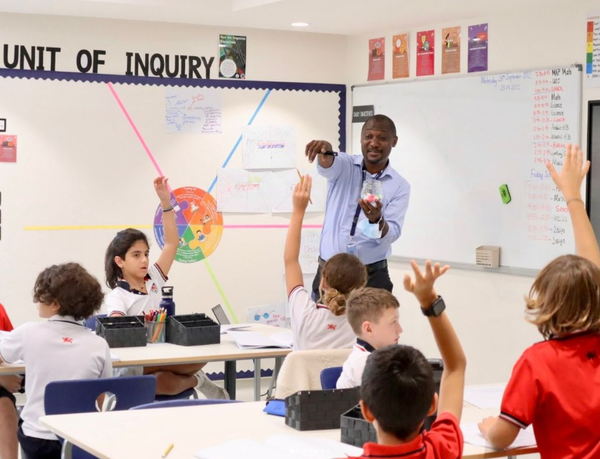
[315, 148]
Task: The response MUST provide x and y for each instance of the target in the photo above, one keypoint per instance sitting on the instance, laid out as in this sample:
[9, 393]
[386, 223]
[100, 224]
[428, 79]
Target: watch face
[438, 307]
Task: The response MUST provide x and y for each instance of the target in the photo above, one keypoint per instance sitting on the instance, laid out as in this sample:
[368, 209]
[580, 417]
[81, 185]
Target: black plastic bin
[128, 331]
[192, 330]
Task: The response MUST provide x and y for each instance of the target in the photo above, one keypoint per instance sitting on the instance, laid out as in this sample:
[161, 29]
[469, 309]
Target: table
[148, 433]
[171, 354]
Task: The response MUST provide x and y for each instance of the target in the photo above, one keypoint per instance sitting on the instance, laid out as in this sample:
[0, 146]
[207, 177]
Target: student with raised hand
[555, 385]
[398, 391]
[57, 349]
[318, 326]
[136, 289]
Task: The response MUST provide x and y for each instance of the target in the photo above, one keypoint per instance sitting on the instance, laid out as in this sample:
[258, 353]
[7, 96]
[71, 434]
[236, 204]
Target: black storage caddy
[355, 430]
[319, 409]
[192, 330]
[128, 331]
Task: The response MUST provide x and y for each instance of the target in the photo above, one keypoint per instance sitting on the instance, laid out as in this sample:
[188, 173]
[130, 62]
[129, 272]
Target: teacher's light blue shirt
[344, 183]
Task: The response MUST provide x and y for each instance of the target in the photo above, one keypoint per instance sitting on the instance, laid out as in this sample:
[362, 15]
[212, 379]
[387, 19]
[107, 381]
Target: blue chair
[80, 395]
[329, 377]
[178, 403]
[90, 322]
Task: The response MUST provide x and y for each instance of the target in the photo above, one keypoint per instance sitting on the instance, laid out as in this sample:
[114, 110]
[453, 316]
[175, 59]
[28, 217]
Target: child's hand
[162, 189]
[302, 193]
[572, 174]
[11, 383]
[486, 424]
[422, 286]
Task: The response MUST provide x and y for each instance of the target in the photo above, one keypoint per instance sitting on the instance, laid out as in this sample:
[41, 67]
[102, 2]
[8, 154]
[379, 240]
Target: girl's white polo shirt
[314, 326]
[125, 301]
[54, 350]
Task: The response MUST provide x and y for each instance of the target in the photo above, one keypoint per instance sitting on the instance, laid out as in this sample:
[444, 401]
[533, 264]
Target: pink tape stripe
[267, 226]
[135, 129]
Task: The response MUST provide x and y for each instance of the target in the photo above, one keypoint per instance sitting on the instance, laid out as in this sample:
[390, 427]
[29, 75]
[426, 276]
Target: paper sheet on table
[485, 397]
[280, 447]
[232, 327]
[472, 436]
[253, 340]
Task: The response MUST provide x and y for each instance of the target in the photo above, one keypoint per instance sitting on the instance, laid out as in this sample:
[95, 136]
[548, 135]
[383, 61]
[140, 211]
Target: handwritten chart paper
[281, 186]
[592, 60]
[309, 251]
[242, 191]
[193, 110]
[269, 147]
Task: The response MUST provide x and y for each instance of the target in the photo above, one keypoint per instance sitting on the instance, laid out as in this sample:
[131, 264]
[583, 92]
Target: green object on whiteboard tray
[505, 194]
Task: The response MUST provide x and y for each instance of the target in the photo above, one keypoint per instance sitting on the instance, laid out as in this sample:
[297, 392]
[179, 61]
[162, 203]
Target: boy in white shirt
[373, 315]
[60, 348]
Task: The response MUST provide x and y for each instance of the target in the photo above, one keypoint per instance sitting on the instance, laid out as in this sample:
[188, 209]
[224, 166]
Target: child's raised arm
[167, 256]
[455, 362]
[569, 182]
[300, 198]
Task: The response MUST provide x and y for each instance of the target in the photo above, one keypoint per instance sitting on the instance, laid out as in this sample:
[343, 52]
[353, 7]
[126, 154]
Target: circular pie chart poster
[199, 224]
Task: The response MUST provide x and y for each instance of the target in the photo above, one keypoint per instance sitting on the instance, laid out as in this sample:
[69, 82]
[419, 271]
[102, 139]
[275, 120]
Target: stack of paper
[280, 447]
[229, 327]
[254, 340]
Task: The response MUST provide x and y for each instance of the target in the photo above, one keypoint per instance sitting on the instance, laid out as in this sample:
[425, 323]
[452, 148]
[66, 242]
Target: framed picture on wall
[2, 124]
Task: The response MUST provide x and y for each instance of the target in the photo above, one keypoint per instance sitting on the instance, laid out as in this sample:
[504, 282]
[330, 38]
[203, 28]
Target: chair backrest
[186, 402]
[329, 377]
[301, 370]
[91, 322]
[79, 395]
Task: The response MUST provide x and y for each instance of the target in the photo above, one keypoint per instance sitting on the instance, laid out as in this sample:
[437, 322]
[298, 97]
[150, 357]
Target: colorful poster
[193, 110]
[269, 147]
[425, 53]
[400, 56]
[232, 56]
[199, 224]
[592, 61]
[8, 148]
[451, 50]
[376, 59]
[478, 48]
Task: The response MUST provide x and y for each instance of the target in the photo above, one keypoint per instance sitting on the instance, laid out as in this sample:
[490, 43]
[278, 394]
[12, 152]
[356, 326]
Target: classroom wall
[252, 276]
[487, 309]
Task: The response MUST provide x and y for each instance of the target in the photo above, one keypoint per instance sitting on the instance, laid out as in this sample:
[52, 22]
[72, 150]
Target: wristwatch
[436, 308]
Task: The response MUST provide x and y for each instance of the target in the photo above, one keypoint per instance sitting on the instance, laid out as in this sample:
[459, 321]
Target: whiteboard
[459, 140]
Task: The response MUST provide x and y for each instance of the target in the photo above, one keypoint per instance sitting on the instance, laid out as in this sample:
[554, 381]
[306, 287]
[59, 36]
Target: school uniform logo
[331, 327]
[154, 288]
[67, 340]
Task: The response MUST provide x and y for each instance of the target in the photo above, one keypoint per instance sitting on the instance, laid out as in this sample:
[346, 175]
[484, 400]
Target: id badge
[351, 248]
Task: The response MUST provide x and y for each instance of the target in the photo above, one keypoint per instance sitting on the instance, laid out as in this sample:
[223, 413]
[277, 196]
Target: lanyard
[357, 213]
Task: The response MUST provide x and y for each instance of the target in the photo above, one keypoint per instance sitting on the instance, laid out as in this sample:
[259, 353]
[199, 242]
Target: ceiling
[346, 17]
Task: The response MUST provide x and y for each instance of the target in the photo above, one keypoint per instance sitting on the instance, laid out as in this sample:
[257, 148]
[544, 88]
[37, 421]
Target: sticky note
[505, 194]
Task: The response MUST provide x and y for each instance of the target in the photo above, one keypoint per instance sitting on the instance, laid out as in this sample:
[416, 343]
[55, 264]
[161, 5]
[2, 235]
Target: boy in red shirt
[8, 411]
[398, 391]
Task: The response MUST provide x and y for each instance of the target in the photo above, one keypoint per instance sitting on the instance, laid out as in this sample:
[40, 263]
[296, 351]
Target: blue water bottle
[167, 301]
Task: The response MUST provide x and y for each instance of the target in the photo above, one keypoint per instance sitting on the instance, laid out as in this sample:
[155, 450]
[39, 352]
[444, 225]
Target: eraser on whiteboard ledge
[488, 256]
[505, 193]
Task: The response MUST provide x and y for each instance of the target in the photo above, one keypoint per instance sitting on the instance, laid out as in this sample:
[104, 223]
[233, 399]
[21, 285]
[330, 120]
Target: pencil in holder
[156, 331]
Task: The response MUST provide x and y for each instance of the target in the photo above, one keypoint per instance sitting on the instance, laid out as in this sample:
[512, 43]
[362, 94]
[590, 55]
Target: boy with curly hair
[60, 348]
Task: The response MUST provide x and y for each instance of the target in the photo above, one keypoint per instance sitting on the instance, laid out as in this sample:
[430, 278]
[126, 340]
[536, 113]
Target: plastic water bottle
[167, 300]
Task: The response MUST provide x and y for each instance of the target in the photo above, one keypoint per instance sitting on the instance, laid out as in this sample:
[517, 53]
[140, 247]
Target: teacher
[352, 224]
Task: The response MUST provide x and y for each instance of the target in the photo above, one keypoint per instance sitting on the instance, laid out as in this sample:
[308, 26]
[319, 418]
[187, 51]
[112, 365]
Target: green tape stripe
[220, 289]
